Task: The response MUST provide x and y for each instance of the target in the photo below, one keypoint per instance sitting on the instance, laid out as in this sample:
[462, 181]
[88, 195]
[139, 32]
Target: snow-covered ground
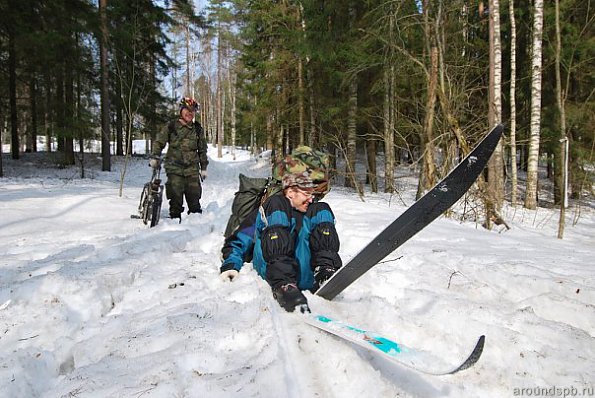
[95, 304]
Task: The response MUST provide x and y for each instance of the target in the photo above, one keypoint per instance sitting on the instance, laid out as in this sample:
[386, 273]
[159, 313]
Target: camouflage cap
[297, 179]
[304, 158]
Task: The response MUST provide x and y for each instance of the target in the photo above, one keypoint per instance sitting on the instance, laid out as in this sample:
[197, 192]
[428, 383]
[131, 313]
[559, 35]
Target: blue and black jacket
[284, 245]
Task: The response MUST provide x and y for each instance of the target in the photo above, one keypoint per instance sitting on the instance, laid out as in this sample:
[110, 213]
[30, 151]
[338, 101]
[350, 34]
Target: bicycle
[149, 207]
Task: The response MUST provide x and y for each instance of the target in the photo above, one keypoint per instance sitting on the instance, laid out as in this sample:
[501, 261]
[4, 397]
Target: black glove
[322, 273]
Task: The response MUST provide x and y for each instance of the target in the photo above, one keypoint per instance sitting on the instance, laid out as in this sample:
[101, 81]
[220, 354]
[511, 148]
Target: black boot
[289, 297]
[199, 211]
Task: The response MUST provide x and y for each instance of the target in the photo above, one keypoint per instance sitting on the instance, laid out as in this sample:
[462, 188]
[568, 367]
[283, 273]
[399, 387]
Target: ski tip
[473, 357]
[498, 129]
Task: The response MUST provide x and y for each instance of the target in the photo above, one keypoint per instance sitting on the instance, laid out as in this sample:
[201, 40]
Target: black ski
[446, 193]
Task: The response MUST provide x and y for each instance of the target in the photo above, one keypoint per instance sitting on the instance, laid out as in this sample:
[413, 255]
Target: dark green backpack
[252, 192]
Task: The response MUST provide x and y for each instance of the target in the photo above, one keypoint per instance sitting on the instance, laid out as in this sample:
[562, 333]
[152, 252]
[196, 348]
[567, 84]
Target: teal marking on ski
[355, 329]
[383, 344]
[324, 319]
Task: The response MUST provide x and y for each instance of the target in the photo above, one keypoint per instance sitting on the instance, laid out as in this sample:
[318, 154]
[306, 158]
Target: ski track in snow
[94, 304]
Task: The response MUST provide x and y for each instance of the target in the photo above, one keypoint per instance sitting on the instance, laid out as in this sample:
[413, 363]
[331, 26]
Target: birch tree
[533, 161]
[495, 186]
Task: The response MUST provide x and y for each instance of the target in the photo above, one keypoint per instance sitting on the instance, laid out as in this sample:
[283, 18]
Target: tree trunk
[513, 150]
[533, 161]
[561, 173]
[119, 113]
[427, 178]
[219, 96]
[78, 116]
[48, 114]
[68, 115]
[205, 95]
[301, 86]
[105, 106]
[389, 137]
[371, 177]
[350, 176]
[301, 106]
[279, 140]
[223, 111]
[152, 122]
[313, 139]
[189, 85]
[495, 186]
[270, 134]
[389, 108]
[12, 84]
[232, 99]
[32, 136]
[60, 112]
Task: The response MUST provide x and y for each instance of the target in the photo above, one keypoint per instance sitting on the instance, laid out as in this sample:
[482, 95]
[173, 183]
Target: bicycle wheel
[143, 206]
[143, 198]
[155, 209]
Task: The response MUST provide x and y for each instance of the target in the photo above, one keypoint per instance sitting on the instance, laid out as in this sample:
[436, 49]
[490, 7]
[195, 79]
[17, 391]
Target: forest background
[402, 82]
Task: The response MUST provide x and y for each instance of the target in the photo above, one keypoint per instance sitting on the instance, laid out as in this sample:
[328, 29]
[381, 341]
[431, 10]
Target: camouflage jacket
[187, 150]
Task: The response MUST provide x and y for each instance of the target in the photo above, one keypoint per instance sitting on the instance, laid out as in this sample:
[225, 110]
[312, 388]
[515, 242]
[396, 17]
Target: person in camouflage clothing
[291, 238]
[186, 160]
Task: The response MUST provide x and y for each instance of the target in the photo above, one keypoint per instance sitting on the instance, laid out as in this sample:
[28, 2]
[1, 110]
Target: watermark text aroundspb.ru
[554, 391]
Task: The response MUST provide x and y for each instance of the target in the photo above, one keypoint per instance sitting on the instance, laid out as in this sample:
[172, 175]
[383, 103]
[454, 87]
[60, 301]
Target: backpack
[254, 191]
[251, 194]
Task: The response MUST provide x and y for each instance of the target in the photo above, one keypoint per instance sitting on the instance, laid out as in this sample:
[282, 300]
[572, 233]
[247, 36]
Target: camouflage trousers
[177, 187]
